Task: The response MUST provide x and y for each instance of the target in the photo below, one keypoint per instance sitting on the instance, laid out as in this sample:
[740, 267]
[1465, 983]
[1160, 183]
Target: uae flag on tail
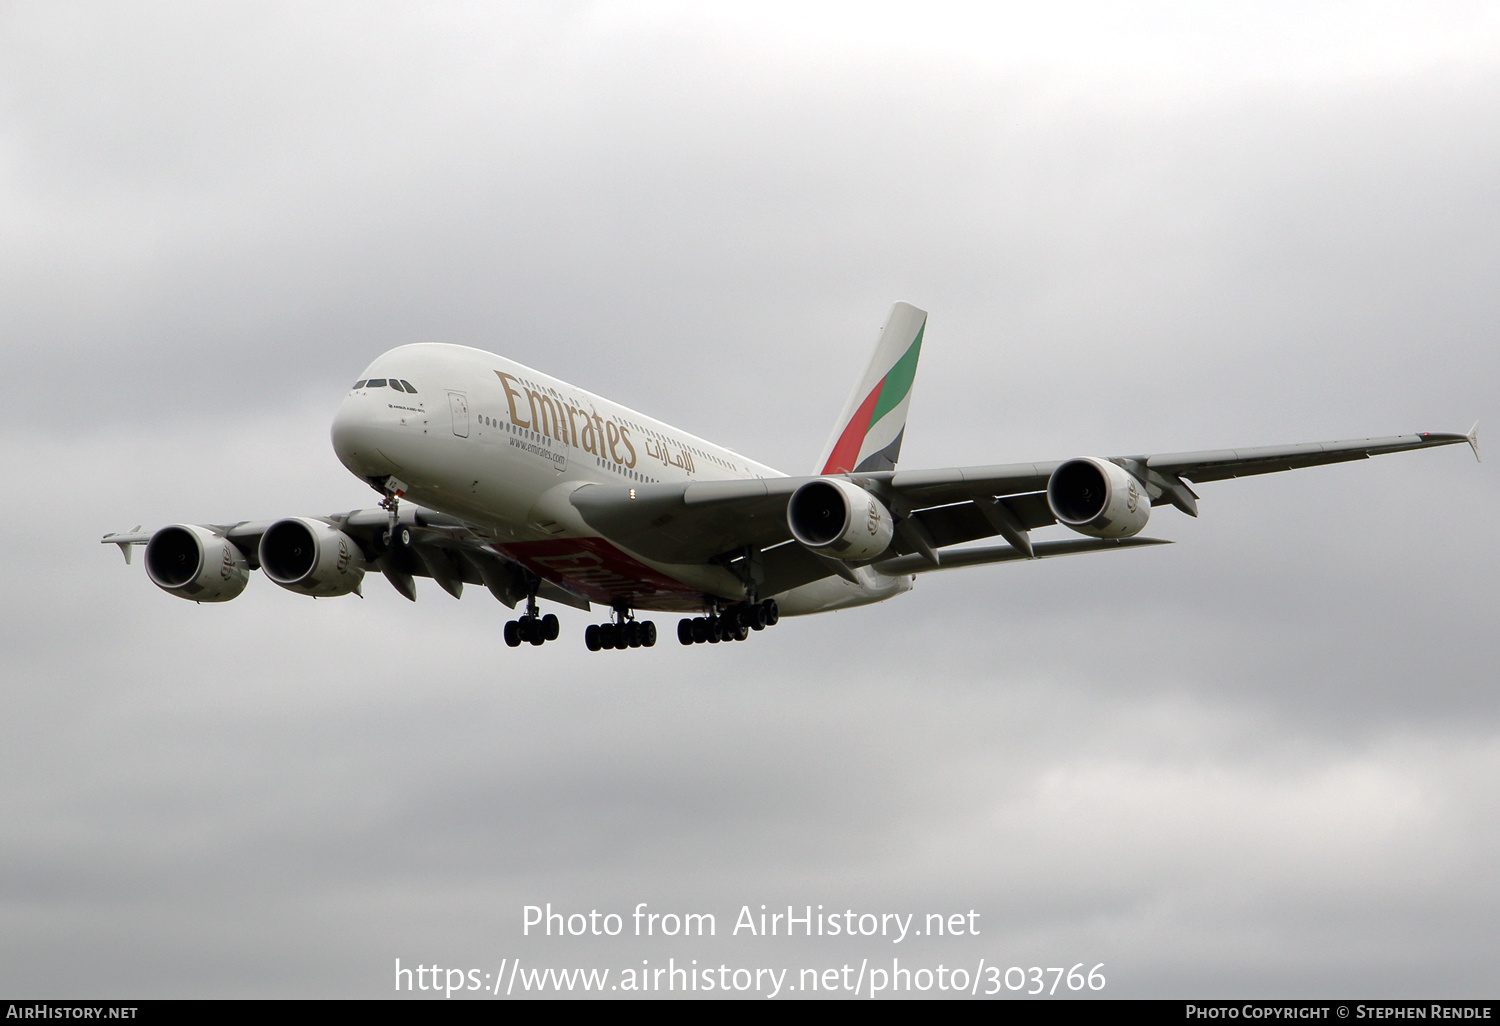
[868, 434]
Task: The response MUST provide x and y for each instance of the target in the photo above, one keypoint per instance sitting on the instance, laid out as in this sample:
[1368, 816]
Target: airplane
[491, 473]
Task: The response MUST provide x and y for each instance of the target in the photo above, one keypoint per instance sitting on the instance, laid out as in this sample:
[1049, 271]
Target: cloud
[1254, 762]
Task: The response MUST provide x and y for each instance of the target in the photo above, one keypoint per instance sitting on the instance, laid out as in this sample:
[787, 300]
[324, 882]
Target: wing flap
[961, 522]
[982, 555]
[789, 566]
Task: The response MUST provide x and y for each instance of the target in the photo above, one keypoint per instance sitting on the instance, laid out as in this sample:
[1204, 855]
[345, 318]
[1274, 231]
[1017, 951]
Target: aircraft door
[459, 404]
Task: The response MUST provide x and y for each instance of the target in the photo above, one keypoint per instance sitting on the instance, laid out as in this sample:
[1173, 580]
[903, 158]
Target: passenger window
[375, 383]
[407, 385]
[360, 383]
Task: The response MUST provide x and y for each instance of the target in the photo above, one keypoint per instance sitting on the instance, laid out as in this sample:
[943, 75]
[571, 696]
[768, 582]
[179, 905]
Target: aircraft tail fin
[868, 434]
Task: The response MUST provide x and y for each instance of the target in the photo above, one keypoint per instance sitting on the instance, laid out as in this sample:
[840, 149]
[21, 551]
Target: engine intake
[1098, 498]
[194, 563]
[311, 558]
[838, 518]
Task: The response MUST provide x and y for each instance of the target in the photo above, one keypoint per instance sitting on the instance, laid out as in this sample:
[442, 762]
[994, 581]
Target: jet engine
[311, 558]
[194, 563]
[835, 517]
[1098, 498]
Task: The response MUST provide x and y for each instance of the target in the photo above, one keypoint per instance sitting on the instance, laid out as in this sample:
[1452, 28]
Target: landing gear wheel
[632, 635]
[591, 637]
[685, 631]
[512, 633]
[740, 632]
[405, 536]
[648, 634]
[550, 627]
[773, 612]
[609, 635]
[700, 629]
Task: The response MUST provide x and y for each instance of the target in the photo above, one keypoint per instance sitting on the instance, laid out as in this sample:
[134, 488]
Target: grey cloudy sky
[1263, 761]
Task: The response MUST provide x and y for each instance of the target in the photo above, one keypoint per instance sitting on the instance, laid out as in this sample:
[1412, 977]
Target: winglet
[1473, 437]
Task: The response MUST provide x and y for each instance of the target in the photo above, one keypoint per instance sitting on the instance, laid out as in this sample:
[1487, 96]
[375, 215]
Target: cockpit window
[360, 383]
[406, 383]
[375, 383]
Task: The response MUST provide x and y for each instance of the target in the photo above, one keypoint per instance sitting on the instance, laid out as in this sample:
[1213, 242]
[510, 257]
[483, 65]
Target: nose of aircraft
[356, 438]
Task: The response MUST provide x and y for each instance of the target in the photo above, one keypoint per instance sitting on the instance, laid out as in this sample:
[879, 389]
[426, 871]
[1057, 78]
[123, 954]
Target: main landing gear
[625, 632]
[733, 624]
[531, 628]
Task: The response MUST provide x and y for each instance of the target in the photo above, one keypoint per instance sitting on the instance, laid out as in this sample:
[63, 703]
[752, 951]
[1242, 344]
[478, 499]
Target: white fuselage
[501, 446]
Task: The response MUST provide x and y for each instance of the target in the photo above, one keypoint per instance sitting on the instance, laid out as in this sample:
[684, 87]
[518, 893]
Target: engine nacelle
[1098, 498]
[838, 518]
[192, 562]
[311, 558]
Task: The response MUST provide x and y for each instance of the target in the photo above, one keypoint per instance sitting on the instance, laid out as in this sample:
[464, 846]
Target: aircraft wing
[441, 547]
[718, 520]
[447, 550]
[1208, 465]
